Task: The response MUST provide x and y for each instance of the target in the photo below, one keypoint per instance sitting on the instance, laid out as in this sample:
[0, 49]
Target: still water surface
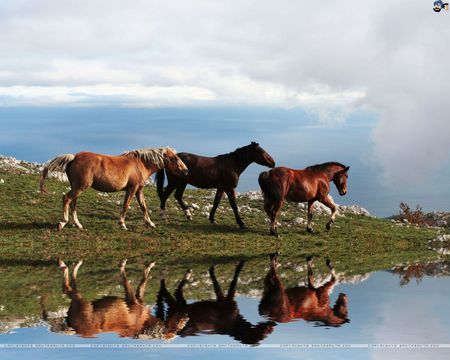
[404, 305]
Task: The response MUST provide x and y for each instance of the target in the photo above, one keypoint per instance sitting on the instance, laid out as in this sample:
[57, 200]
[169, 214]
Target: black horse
[218, 316]
[221, 172]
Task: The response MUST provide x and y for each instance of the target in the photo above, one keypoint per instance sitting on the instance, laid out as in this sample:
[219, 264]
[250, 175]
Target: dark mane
[238, 151]
[324, 166]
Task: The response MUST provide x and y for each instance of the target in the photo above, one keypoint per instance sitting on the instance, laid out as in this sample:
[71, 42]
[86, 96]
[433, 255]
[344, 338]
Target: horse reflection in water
[309, 302]
[219, 316]
[128, 317]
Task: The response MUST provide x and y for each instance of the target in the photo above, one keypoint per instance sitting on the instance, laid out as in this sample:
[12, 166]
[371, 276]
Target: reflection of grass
[30, 244]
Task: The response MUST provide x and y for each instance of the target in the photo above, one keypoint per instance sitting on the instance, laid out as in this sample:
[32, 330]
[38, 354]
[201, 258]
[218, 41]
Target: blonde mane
[150, 156]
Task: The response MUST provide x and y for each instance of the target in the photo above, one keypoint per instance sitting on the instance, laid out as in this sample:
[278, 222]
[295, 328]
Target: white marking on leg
[75, 220]
[188, 214]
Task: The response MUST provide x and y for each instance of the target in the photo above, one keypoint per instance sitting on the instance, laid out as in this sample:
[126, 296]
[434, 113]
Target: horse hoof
[188, 275]
[123, 226]
[162, 214]
[243, 226]
[151, 224]
[213, 221]
[310, 230]
[273, 233]
[309, 258]
[61, 226]
[328, 226]
[123, 263]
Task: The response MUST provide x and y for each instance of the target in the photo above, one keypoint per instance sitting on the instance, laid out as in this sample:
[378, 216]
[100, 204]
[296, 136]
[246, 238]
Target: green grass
[30, 244]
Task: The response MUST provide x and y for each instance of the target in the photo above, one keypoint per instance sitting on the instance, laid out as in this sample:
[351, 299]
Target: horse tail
[59, 163]
[160, 182]
[263, 181]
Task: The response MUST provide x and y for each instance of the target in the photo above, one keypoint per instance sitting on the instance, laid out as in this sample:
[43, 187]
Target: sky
[336, 66]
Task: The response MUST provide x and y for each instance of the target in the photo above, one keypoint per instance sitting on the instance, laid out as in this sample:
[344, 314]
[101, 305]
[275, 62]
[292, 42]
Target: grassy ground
[30, 244]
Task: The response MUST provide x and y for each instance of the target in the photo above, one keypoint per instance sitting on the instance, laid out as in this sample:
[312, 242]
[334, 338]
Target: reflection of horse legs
[232, 198]
[232, 288]
[126, 204]
[328, 202]
[141, 201]
[217, 288]
[217, 198]
[179, 197]
[67, 200]
[324, 291]
[141, 287]
[130, 297]
[71, 286]
[310, 279]
[80, 313]
[310, 216]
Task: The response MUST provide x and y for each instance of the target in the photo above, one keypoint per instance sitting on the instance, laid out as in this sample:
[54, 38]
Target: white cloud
[329, 59]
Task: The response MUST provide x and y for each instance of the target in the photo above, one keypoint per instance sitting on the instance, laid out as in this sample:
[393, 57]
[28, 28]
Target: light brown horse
[127, 172]
[309, 303]
[310, 184]
[218, 316]
[127, 317]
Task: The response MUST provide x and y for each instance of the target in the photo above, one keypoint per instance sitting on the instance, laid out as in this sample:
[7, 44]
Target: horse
[310, 184]
[309, 303]
[127, 172]
[221, 172]
[128, 317]
[219, 316]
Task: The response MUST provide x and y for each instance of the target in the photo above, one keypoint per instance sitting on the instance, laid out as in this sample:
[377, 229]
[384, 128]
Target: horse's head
[258, 155]
[340, 180]
[173, 163]
[340, 308]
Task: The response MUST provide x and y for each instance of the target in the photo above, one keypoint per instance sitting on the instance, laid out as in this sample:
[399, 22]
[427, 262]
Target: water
[407, 305]
[292, 137]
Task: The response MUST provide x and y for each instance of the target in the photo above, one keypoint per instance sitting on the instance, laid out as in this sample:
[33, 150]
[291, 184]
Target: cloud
[329, 59]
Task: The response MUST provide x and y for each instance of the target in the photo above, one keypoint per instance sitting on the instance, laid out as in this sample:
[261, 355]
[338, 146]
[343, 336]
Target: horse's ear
[254, 143]
[346, 168]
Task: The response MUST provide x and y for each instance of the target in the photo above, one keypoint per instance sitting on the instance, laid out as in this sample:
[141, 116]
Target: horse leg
[73, 208]
[67, 199]
[141, 201]
[130, 298]
[217, 198]
[310, 216]
[232, 199]
[141, 287]
[232, 289]
[179, 291]
[324, 291]
[73, 282]
[66, 284]
[126, 204]
[164, 196]
[217, 288]
[328, 202]
[179, 196]
[275, 209]
[309, 261]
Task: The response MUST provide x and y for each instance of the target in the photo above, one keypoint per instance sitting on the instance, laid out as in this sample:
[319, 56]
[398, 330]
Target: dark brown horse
[128, 317]
[310, 184]
[309, 303]
[221, 172]
[219, 316]
[127, 172]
